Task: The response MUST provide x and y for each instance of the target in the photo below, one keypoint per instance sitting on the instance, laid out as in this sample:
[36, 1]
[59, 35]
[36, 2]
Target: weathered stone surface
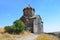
[38, 25]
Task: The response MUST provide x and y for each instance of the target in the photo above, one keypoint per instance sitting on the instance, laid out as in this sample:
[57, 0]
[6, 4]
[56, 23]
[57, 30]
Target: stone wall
[38, 25]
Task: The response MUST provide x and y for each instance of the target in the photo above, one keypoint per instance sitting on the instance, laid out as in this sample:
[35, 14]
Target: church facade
[33, 22]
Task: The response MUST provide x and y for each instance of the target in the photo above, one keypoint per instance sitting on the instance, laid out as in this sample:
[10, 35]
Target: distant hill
[54, 34]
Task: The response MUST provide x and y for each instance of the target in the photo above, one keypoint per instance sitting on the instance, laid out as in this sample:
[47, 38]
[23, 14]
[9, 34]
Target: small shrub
[8, 29]
[20, 26]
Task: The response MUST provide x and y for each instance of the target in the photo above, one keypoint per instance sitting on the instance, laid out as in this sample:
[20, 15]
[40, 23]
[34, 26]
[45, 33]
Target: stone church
[33, 22]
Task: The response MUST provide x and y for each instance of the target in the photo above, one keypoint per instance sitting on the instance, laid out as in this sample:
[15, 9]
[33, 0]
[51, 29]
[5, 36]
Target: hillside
[26, 34]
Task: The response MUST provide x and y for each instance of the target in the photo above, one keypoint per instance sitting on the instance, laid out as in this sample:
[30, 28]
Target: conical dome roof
[29, 7]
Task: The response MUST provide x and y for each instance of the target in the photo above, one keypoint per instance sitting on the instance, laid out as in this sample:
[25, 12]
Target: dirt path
[31, 37]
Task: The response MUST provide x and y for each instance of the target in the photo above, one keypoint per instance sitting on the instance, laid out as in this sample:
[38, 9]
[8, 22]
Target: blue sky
[49, 10]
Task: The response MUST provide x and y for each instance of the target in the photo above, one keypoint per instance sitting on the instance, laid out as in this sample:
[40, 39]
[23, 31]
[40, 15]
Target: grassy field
[2, 30]
[46, 37]
[6, 36]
